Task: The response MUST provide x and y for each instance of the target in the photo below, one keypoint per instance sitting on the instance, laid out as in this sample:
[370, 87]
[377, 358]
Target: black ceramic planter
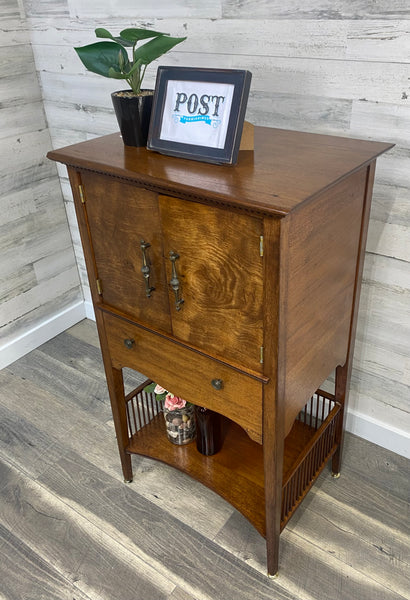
[133, 115]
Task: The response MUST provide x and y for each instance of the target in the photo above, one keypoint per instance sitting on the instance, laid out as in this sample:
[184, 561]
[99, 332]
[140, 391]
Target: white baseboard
[89, 310]
[377, 432]
[41, 333]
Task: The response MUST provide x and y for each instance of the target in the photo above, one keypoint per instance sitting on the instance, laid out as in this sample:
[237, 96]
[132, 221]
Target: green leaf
[156, 48]
[135, 67]
[128, 37]
[150, 387]
[116, 74]
[102, 58]
[134, 35]
[100, 32]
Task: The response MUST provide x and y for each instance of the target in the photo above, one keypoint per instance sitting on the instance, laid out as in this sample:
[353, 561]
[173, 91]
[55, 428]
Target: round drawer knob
[129, 343]
[217, 384]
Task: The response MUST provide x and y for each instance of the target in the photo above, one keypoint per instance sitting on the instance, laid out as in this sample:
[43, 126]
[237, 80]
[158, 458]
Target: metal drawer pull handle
[217, 384]
[145, 268]
[174, 283]
[129, 343]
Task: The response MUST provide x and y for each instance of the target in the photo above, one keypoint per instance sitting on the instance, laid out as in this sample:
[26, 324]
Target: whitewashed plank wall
[39, 279]
[327, 66]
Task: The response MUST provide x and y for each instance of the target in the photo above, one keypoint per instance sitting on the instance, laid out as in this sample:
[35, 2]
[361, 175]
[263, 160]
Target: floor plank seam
[119, 540]
[68, 508]
[330, 558]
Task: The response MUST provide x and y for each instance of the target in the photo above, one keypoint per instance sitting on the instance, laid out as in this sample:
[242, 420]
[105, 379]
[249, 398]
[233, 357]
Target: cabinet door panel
[120, 216]
[220, 274]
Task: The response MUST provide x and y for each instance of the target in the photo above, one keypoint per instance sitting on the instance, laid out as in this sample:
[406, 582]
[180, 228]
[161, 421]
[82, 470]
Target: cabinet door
[120, 217]
[219, 273]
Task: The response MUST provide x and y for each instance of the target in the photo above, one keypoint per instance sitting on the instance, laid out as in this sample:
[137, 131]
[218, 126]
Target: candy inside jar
[180, 424]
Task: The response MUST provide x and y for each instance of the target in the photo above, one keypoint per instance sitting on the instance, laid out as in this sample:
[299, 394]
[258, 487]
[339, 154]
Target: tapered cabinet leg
[115, 384]
[116, 389]
[273, 449]
[275, 240]
[272, 551]
[340, 395]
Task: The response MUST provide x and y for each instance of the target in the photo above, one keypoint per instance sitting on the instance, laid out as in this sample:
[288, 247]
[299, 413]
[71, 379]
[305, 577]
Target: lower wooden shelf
[236, 472]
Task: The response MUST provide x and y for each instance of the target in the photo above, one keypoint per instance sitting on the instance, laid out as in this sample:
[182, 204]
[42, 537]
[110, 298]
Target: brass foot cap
[275, 576]
[335, 475]
[127, 480]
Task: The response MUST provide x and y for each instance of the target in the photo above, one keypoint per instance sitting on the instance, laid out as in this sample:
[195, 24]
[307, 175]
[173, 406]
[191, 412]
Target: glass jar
[180, 424]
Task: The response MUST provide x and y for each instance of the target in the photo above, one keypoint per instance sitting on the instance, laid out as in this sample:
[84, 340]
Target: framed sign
[199, 113]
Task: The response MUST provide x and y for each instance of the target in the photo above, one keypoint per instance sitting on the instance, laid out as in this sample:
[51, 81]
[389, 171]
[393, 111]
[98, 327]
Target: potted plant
[110, 59]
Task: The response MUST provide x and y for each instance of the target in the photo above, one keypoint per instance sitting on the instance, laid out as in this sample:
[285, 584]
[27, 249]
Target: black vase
[208, 431]
[133, 115]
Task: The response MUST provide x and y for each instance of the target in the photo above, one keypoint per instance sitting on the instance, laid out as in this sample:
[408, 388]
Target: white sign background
[193, 127]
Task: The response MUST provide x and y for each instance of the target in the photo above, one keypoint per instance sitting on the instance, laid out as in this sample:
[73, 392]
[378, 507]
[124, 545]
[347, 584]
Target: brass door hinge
[261, 355]
[81, 192]
[261, 245]
[99, 287]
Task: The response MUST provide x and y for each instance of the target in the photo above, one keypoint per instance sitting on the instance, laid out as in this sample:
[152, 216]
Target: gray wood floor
[70, 529]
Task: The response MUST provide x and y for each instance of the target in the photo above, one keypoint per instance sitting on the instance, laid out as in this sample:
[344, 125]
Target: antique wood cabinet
[236, 288]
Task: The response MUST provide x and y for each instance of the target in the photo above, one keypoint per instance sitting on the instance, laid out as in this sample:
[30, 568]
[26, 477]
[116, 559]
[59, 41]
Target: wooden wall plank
[389, 239]
[19, 165]
[386, 41]
[9, 9]
[18, 90]
[88, 120]
[314, 39]
[314, 113]
[374, 120]
[392, 168]
[21, 120]
[18, 281]
[376, 40]
[62, 287]
[321, 9]
[348, 80]
[332, 79]
[390, 204]
[46, 8]
[16, 61]
[161, 8]
[14, 32]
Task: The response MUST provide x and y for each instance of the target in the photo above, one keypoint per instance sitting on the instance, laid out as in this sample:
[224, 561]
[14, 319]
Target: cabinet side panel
[323, 245]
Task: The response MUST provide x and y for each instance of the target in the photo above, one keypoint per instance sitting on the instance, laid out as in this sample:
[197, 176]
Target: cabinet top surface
[285, 169]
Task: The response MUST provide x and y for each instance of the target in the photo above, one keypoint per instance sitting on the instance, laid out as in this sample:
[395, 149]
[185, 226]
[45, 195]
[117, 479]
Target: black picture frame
[169, 133]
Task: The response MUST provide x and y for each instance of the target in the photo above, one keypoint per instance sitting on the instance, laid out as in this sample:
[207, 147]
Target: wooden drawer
[187, 373]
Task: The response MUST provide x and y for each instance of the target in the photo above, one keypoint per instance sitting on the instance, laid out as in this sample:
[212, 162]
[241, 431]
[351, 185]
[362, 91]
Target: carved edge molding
[167, 190]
